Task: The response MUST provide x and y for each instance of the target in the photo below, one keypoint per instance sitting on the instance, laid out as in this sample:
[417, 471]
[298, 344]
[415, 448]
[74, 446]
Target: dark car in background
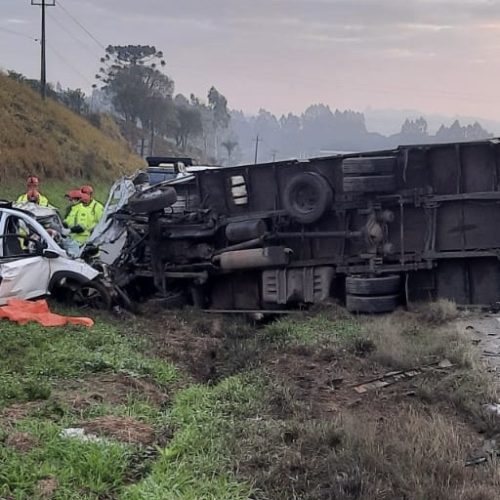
[166, 168]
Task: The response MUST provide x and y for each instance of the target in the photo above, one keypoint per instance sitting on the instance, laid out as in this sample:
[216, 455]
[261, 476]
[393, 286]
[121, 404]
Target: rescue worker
[82, 219]
[33, 184]
[73, 197]
[97, 206]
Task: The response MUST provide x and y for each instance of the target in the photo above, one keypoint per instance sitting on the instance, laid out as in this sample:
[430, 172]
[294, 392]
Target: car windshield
[161, 176]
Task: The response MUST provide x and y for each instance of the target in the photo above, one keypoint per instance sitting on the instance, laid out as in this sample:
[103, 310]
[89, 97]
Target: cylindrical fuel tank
[246, 230]
[254, 258]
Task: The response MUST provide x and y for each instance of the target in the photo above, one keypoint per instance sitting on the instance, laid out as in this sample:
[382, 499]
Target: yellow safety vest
[86, 216]
[42, 200]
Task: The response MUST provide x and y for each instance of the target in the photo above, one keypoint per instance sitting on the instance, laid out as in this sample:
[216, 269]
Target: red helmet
[87, 189]
[74, 194]
[33, 195]
[32, 181]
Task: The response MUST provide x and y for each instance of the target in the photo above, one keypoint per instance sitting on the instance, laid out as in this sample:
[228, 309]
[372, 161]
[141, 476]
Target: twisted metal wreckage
[371, 229]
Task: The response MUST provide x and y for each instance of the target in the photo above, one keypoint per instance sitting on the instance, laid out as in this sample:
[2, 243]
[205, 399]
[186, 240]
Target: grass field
[178, 405]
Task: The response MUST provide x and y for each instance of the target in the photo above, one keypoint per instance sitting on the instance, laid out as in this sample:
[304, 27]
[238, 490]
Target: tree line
[133, 86]
[319, 130]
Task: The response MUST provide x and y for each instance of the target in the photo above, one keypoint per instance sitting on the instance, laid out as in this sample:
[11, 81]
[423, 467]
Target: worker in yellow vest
[82, 218]
[33, 184]
[97, 206]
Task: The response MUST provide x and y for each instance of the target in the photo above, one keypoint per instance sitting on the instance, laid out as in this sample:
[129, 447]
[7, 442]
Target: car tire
[379, 285]
[92, 295]
[307, 197]
[371, 305]
[370, 184]
[381, 165]
[152, 201]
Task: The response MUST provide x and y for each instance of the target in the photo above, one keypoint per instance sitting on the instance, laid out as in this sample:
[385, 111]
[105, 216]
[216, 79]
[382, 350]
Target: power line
[65, 61]
[75, 20]
[74, 37]
[18, 33]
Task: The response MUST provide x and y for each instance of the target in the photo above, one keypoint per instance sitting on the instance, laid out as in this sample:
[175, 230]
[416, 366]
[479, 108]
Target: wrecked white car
[33, 265]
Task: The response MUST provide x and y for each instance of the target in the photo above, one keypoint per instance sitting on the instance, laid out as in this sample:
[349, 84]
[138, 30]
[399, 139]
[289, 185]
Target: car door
[24, 272]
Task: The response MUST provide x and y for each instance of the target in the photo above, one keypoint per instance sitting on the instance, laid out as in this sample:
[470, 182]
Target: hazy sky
[439, 56]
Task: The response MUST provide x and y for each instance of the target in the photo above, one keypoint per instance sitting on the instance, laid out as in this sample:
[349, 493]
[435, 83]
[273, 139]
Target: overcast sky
[438, 56]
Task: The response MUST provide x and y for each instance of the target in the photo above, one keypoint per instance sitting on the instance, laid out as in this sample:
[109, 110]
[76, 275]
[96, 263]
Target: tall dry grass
[49, 140]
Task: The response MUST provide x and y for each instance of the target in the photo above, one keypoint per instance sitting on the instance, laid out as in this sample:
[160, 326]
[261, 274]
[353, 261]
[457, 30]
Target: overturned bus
[373, 230]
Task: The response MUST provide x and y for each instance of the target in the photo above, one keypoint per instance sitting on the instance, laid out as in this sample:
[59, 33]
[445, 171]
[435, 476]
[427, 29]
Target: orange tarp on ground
[23, 311]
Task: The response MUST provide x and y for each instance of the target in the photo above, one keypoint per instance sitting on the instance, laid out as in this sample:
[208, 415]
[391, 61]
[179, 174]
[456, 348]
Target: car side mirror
[50, 254]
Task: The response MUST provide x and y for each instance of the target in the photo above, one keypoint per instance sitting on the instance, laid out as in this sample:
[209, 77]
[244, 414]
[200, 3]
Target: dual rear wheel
[379, 294]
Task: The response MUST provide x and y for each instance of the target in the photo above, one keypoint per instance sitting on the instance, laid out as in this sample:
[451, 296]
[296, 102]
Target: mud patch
[321, 379]
[46, 488]
[112, 388]
[18, 411]
[124, 429]
[192, 340]
[21, 441]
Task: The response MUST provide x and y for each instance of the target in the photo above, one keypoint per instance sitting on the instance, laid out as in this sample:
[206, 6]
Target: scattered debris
[397, 376]
[476, 461]
[493, 408]
[385, 380]
[488, 451]
[445, 363]
[78, 433]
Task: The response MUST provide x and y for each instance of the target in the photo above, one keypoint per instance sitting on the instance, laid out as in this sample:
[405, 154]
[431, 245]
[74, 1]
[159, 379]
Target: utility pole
[257, 140]
[274, 152]
[43, 63]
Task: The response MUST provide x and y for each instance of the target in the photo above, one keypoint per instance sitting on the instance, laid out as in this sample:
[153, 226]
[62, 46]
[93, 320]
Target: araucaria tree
[140, 91]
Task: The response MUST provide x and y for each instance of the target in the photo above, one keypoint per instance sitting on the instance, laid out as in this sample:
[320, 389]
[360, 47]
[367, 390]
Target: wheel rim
[89, 297]
[305, 198]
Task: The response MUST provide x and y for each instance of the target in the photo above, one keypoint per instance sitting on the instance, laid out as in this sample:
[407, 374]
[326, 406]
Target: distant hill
[388, 121]
[321, 130]
[49, 140]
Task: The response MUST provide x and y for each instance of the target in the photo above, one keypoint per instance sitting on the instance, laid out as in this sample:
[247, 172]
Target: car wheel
[370, 184]
[307, 197]
[378, 165]
[92, 295]
[152, 201]
[379, 285]
[371, 305]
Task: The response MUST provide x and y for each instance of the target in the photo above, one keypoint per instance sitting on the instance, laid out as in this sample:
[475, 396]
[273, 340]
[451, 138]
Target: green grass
[82, 469]
[34, 356]
[251, 434]
[35, 365]
[197, 463]
[318, 330]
